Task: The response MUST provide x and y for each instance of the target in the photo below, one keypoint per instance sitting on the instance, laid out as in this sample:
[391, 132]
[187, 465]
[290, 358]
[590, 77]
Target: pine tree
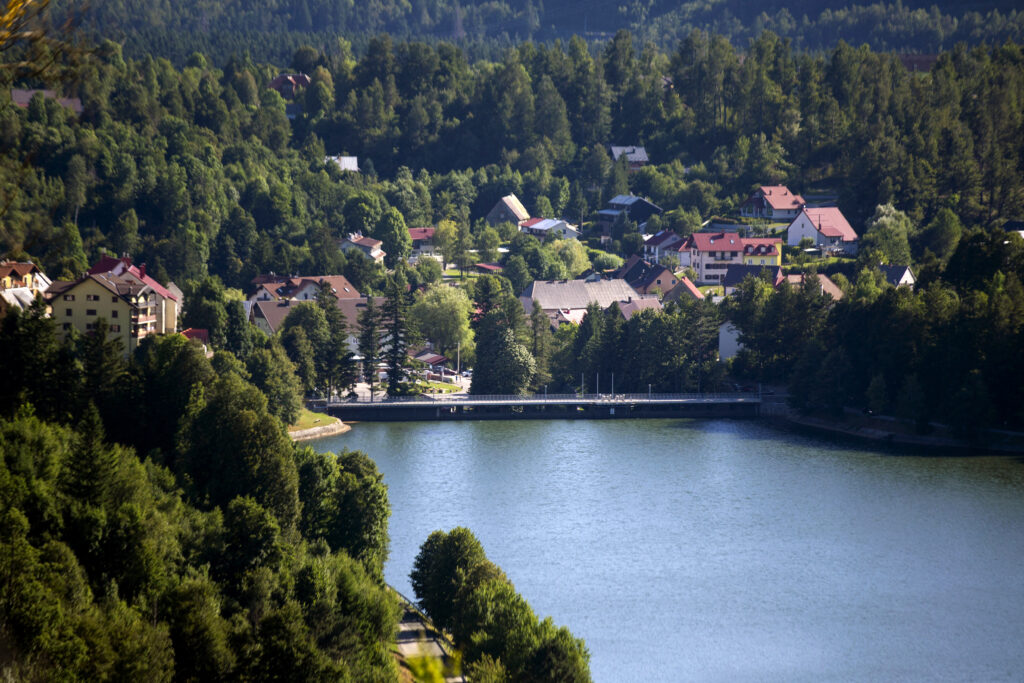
[396, 334]
[369, 340]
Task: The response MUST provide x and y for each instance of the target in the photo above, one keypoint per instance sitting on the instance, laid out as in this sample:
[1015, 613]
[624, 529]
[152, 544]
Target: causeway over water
[545, 407]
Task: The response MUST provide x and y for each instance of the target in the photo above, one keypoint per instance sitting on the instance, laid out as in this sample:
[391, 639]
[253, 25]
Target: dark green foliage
[464, 592]
[345, 503]
[503, 366]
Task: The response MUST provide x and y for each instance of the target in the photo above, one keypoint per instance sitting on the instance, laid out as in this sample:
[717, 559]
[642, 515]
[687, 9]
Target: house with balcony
[711, 254]
[129, 307]
[20, 284]
[168, 299]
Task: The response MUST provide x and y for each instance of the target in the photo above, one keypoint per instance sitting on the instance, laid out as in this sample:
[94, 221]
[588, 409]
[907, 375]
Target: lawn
[309, 419]
[436, 387]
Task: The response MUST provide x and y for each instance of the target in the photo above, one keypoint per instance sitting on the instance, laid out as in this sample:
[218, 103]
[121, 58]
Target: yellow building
[129, 308]
[762, 251]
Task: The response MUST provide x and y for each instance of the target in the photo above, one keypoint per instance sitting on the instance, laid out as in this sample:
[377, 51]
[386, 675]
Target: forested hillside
[199, 171]
[271, 31]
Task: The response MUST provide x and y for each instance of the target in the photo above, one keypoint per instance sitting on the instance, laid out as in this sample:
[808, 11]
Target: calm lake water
[725, 550]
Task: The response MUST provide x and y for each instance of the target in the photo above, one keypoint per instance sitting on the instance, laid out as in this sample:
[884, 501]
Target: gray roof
[893, 274]
[570, 294]
[633, 153]
[736, 273]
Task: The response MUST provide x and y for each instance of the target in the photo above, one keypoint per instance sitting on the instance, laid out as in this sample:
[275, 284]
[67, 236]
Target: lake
[725, 550]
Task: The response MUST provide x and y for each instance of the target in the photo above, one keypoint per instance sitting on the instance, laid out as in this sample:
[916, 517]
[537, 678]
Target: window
[69, 297]
[113, 299]
[67, 326]
[67, 312]
[90, 311]
[113, 314]
[92, 297]
[90, 326]
[115, 328]
[762, 262]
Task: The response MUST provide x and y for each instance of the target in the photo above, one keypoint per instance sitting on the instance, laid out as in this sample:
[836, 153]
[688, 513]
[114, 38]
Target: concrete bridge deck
[547, 407]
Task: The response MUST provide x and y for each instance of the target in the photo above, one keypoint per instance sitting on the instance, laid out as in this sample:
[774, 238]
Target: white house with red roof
[772, 201]
[168, 300]
[422, 240]
[827, 227]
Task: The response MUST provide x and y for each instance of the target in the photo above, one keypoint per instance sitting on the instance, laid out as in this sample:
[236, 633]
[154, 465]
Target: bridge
[546, 407]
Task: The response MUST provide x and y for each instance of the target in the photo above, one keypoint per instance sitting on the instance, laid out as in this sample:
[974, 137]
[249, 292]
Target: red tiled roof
[633, 306]
[716, 241]
[17, 269]
[780, 198]
[421, 234]
[531, 222]
[197, 333]
[367, 242]
[108, 264]
[768, 246]
[489, 267]
[663, 237]
[691, 288]
[831, 222]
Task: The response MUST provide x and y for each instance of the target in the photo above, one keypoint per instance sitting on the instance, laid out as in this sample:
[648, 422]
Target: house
[775, 202]
[344, 163]
[825, 284]
[633, 208]
[646, 277]
[737, 273]
[488, 268]
[898, 276]
[630, 308]
[542, 227]
[762, 251]
[168, 300]
[20, 284]
[21, 98]
[827, 227]
[367, 245]
[289, 85]
[129, 306]
[661, 244]
[711, 253]
[683, 291]
[422, 241]
[567, 300]
[636, 157]
[22, 275]
[269, 316]
[508, 210]
[301, 288]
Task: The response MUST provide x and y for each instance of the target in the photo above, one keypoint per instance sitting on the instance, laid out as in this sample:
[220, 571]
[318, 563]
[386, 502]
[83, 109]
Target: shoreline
[1012, 444]
[333, 429]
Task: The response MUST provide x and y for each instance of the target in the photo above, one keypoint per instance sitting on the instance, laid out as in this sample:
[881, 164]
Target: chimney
[142, 270]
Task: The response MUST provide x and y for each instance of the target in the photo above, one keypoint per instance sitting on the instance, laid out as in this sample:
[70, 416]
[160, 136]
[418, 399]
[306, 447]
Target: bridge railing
[456, 399]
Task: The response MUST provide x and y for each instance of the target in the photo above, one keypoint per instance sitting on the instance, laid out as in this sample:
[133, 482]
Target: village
[775, 235]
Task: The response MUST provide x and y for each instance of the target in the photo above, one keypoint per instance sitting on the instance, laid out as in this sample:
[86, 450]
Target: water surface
[725, 550]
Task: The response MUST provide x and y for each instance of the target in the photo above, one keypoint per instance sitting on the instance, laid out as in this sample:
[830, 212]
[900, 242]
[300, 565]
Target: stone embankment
[329, 429]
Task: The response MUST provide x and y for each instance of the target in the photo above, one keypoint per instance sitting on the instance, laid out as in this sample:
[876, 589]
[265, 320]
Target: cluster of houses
[136, 306]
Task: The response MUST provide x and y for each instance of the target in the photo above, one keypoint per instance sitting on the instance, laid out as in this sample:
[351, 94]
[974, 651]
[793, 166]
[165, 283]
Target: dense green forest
[159, 524]
[200, 172]
[271, 31]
